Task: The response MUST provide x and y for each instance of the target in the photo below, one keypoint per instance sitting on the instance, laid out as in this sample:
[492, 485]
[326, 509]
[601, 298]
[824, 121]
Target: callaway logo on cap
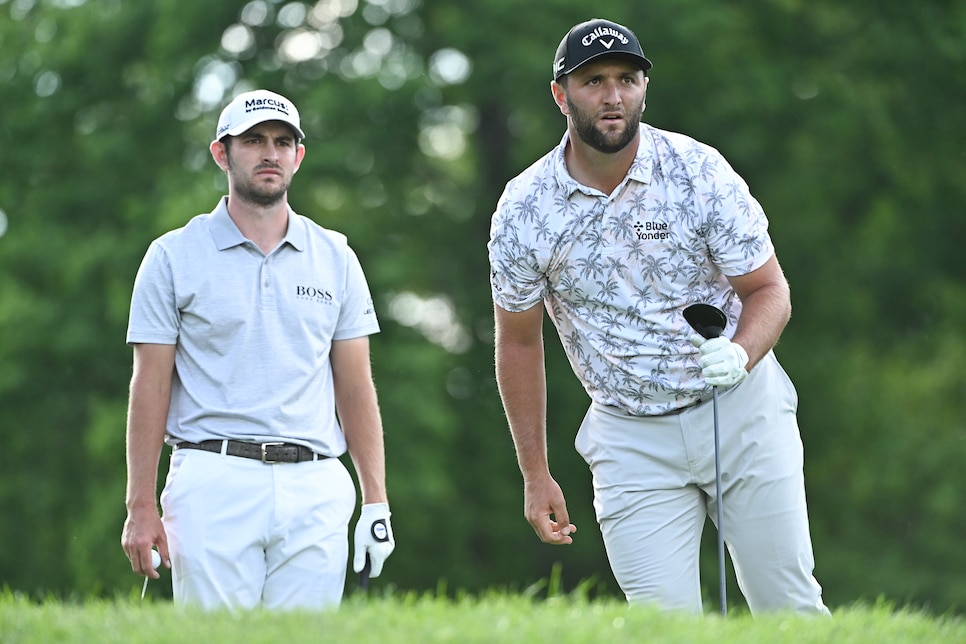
[594, 39]
[251, 108]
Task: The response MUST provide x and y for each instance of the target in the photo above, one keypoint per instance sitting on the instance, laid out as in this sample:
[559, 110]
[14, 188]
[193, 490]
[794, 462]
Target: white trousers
[244, 534]
[654, 487]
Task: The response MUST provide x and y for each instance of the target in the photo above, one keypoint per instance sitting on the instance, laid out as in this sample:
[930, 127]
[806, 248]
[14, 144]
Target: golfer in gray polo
[250, 329]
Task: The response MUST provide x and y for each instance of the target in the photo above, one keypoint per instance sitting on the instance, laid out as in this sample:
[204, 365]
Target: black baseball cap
[594, 39]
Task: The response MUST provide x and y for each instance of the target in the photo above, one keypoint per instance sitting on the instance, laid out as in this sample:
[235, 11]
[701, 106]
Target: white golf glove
[373, 536]
[722, 361]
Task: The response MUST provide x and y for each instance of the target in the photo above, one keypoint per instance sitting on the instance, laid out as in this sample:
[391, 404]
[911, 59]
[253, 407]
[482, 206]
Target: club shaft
[722, 586]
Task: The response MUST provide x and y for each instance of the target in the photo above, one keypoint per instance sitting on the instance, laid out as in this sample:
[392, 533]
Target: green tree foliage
[842, 117]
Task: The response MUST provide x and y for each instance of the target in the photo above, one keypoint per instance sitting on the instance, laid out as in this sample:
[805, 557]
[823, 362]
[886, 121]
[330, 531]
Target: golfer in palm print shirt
[614, 233]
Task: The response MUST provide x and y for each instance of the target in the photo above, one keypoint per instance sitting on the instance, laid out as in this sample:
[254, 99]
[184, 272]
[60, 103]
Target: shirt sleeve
[736, 228]
[154, 315]
[517, 281]
[357, 317]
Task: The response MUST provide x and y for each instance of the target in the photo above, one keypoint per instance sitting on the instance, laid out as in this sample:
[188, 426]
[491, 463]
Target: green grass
[423, 619]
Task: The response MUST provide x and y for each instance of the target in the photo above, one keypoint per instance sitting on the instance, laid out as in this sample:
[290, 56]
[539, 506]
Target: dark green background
[844, 118]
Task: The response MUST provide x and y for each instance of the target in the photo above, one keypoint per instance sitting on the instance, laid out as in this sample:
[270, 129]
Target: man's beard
[589, 134]
[254, 194]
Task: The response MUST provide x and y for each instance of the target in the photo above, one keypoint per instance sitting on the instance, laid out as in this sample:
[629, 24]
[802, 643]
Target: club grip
[364, 575]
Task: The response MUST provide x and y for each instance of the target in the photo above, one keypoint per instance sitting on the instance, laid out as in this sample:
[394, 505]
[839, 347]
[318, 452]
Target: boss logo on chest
[313, 293]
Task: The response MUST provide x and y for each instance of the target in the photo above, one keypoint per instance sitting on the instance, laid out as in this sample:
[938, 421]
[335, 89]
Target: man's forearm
[763, 318]
[366, 449]
[522, 382]
[765, 309]
[147, 414]
[362, 424]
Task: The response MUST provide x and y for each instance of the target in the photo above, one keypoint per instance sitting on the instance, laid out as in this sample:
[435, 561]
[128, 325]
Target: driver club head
[708, 321]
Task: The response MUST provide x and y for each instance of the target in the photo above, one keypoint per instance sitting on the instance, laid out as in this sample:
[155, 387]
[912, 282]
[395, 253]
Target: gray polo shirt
[253, 331]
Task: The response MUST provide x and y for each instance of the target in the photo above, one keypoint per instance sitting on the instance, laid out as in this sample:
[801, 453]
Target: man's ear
[559, 97]
[220, 154]
[299, 155]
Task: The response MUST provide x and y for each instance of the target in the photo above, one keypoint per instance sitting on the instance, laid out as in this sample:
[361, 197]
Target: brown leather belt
[265, 452]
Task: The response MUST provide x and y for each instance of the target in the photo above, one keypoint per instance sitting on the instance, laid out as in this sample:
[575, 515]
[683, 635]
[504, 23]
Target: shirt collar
[640, 169]
[226, 233]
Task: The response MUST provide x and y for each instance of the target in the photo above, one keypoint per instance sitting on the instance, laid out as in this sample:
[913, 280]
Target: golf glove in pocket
[373, 536]
[722, 361]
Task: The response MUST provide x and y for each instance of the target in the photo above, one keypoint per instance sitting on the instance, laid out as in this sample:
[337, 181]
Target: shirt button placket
[267, 296]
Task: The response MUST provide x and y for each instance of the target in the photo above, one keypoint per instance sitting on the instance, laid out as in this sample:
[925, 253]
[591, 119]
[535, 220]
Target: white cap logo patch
[251, 108]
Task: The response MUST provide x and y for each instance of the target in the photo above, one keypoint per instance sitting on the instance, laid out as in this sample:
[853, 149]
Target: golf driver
[709, 321]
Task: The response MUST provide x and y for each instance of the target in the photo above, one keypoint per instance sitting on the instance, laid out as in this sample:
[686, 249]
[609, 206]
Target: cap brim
[247, 125]
[640, 61]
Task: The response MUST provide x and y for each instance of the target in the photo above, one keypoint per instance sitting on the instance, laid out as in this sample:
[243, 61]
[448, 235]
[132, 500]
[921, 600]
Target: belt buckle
[265, 447]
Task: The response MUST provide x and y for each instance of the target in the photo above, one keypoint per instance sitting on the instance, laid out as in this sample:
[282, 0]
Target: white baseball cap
[251, 108]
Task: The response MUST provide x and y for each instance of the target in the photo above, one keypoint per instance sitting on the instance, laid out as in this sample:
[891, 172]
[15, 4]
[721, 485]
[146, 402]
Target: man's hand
[546, 510]
[722, 361]
[142, 531]
[373, 536]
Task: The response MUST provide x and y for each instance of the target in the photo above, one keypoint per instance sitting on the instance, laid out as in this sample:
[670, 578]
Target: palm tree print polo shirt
[616, 271]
